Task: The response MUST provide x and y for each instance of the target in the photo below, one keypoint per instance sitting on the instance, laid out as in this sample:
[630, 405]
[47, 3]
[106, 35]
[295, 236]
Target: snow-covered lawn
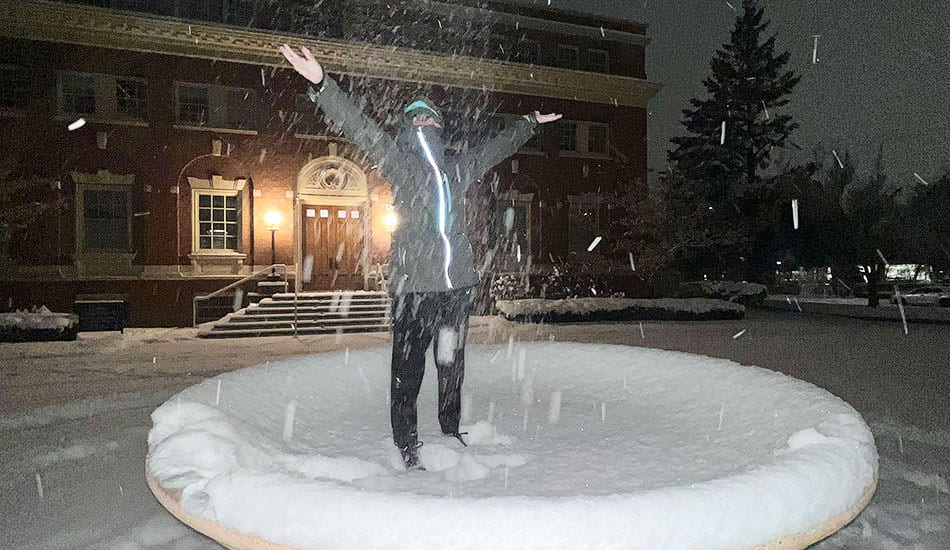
[71, 474]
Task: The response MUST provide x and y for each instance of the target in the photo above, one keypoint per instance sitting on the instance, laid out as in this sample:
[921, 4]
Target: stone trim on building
[105, 28]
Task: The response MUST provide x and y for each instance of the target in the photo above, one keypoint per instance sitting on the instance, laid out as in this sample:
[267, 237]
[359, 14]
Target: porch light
[390, 220]
[273, 220]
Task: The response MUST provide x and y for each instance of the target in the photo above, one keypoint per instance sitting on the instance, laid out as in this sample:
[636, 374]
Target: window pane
[230, 201]
[217, 242]
[231, 243]
[130, 96]
[13, 87]
[105, 219]
[230, 215]
[567, 136]
[526, 51]
[597, 139]
[204, 228]
[217, 215]
[240, 109]
[204, 242]
[567, 57]
[79, 94]
[192, 105]
[217, 201]
[238, 12]
[597, 61]
[204, 215]
[204, 200]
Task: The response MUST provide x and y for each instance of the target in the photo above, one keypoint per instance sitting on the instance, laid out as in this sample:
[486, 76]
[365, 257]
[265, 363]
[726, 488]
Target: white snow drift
[648, 449]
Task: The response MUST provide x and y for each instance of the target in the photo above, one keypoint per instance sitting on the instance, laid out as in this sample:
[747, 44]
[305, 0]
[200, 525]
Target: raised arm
[340, 108]
[485, 156]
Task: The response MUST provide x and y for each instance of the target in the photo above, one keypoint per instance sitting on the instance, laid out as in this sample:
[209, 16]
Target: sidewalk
[857, 308]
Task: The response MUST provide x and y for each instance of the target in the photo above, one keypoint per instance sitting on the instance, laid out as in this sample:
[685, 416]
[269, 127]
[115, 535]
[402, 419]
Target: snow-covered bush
[573, 279]
[38, 324]
[619, 309]
[732, 291]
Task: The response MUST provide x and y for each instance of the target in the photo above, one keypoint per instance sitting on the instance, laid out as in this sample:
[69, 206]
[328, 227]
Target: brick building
[198, 144]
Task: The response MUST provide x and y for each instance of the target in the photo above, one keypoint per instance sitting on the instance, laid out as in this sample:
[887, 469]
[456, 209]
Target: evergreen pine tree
[747, 86]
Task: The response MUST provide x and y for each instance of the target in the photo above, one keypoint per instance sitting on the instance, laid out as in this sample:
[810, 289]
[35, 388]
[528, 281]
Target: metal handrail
[206, 297]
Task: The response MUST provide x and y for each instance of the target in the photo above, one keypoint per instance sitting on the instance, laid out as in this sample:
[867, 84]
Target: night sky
[883, 76]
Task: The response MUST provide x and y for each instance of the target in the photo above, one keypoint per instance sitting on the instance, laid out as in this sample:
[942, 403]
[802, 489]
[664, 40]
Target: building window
[105, 219]
[597, 138]
[14, 87]
[568, 57]
[238, 12]
[218, 220]
[192, 105]
[583, 222]
[194, 9]
[598, 61]
[567, 135]
[527, 51]
[131, 96]
[216, 107]
[78, 94]
[103, 97]
[513, 228]
[131, 5]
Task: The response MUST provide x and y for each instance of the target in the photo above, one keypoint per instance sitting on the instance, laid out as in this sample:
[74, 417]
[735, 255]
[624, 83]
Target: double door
[333, 243]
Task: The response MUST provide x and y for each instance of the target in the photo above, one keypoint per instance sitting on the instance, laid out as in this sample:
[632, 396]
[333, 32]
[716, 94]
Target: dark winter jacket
[430, 251]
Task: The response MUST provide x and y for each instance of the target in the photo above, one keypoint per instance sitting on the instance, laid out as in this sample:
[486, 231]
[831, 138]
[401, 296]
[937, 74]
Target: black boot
[410, 457]
[458, 435]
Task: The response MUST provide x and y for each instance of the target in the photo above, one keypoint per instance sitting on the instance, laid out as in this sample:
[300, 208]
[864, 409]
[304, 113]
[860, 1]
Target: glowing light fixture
[391, 220]
[272, 219]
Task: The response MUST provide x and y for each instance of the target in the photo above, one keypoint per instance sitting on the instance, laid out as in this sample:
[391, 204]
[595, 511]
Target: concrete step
[310, 316]
[301, 323]
[253, 333]
[280, 309]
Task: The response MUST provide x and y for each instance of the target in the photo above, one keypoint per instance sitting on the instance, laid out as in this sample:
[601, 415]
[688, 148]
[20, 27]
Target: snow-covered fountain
[570, 446]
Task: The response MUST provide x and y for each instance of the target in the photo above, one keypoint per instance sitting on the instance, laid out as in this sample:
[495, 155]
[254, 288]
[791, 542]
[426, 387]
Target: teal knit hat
[422, 105]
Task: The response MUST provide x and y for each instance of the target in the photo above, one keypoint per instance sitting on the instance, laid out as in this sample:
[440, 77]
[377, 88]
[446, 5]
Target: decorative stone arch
[331, 180]
[332, 176]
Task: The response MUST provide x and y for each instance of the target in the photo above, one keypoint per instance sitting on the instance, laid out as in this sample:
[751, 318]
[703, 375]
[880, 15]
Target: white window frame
[196, 223]
[606, 66]
[577, 56]
[107, 105]
[217, 108]
[215, 186]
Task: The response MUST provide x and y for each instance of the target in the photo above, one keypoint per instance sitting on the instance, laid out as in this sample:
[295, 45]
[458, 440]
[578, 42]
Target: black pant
[418, 318]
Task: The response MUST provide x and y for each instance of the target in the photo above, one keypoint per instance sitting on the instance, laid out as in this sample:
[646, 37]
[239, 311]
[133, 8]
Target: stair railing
[204, 298]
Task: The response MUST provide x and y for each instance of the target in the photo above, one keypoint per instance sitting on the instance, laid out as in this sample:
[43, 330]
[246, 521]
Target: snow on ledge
[640, 449]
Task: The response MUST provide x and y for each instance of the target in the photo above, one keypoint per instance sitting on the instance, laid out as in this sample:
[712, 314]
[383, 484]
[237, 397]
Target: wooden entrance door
[332, 240]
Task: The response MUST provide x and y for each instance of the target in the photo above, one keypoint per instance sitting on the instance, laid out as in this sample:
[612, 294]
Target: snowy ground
[71, 472]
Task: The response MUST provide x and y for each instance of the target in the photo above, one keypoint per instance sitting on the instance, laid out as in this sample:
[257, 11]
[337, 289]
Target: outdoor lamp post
[273, 221]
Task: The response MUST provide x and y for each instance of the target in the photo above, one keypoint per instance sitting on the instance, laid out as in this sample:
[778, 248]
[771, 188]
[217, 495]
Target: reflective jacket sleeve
[340, 109]
[483, 157]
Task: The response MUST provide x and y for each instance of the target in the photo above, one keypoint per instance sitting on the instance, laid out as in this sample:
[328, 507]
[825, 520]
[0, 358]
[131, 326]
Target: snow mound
[614, 447]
